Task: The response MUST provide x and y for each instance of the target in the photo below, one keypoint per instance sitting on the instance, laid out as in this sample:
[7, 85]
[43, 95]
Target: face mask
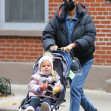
[70, 5]
[45, 73]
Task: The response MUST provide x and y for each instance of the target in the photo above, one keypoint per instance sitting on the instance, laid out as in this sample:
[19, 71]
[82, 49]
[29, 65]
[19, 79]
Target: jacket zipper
[75, 27]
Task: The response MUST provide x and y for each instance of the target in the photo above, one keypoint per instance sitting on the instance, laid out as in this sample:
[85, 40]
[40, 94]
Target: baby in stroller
[61, 66]
[45, 85]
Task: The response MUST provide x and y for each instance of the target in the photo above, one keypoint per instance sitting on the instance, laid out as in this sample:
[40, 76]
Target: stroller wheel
[55, 110]
[20, 109]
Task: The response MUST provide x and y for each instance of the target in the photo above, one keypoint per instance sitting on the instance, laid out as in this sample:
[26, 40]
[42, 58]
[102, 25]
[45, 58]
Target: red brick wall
[20, 49]
[101, 15]
[28, 49]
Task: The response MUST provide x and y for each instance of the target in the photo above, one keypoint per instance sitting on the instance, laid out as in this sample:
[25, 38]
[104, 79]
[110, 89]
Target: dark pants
[36, 102]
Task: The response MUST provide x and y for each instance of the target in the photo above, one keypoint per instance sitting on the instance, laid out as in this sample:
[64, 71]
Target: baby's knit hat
[47, 56]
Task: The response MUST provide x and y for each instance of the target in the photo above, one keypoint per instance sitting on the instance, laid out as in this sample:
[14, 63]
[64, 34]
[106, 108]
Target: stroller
[62, 64]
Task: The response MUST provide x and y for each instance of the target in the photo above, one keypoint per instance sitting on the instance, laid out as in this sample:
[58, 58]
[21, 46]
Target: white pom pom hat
[46, 57]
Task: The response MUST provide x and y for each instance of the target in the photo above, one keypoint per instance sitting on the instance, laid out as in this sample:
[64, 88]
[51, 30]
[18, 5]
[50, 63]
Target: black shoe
[95, 110]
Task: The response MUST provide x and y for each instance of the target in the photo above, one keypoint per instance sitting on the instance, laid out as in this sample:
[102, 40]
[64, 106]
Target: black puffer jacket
[83, 34]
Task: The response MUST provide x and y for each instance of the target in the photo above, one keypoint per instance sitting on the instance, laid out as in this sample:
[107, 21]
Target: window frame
[21, 25]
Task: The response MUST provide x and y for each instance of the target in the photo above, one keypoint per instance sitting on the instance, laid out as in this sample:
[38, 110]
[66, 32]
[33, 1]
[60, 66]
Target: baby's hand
[57, 88]
[44, 87]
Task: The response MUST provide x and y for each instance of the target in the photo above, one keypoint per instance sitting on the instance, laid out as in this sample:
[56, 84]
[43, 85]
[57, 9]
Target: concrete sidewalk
[101, 99]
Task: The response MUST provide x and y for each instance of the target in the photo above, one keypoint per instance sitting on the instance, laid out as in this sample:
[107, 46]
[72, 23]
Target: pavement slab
[100, 98]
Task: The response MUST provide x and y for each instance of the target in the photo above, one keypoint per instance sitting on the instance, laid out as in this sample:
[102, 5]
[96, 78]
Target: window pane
[28, 10]
[40, 10]
[12, 10]
[25, 11]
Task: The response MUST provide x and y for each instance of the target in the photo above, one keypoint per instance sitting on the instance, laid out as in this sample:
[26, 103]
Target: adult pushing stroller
[62, 63]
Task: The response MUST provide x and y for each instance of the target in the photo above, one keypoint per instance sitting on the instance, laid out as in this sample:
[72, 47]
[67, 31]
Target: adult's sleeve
[87, 41]
[49, 34]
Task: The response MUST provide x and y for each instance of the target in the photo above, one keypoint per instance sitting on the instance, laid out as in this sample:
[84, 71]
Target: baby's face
[46, 66]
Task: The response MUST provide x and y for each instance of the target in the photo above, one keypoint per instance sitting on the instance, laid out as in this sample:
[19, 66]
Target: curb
[8, 110]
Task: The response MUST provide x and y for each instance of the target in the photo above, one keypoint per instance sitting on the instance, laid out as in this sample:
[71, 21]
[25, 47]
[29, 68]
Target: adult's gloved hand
[69, 47]
[54, 47]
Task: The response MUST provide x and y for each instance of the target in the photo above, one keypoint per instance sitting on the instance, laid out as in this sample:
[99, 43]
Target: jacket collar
[74, 17]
